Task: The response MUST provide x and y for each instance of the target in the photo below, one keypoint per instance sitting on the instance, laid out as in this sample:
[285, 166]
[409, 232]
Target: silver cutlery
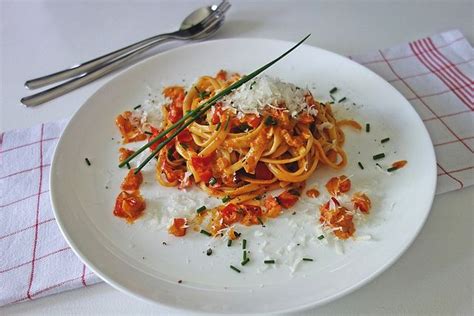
[200, 24]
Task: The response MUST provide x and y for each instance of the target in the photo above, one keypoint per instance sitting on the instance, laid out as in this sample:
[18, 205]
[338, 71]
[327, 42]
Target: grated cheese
[264, 91]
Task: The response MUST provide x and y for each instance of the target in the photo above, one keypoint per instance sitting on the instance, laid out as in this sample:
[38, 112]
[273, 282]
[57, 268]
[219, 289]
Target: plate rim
[181, 308]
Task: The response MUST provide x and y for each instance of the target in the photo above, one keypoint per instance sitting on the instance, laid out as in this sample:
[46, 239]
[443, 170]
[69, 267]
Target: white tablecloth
[434, 276]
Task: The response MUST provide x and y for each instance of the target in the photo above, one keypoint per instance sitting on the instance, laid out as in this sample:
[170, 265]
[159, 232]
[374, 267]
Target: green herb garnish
[307, 259]
[205, 232]
[385, 140]
[209, 252]
[234, 268]
[269, 120]
[244, 255]
[342, 100]
[148, 133]
[137, 107]
[212, 181]
[269, 261]
[128, 166]
[367, 127]
[321, 237]
[229, 242]
[201, 209]
[333, 90]
[244, 244]
[392, 169]
[245, 261]
[88, 162]
[379, 156]
[218, 126]
[226, 199]
[360, 165]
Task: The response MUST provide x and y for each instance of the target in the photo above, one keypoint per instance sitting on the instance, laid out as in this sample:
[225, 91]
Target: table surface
[434, 276]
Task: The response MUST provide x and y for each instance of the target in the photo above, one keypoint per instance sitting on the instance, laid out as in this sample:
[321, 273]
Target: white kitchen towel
[435, 74]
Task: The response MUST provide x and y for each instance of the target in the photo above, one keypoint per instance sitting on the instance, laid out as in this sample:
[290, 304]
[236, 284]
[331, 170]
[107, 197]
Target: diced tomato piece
[339, 219]
[288, 198]
[231, 214]
[262, 172]
[129, 205]
[222, 75]
[337, 185]
[203, 166]
[273, 208]
[125, 153]
[216, 117]
[155, 132]
[185, 136]
[178, 228]
[399, 164]
[176, 94]
[132, 181]
[312, 193]
[361, 202]
[305, 118]
[253, 120]
[129, 127]
[252, 213]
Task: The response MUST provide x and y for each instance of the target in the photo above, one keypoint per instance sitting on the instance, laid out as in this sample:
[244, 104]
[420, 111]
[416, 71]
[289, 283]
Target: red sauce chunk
[176, 94]
[312, 193]
[399, 164]
[125, 153]
[262, 172]
[288, 198]
[337, 185]
[129, 205]
[273, 208]
[339, 219]
[251, 216]
[132, 181]
[203, 166]
[361, 202]
[178, 228]
[231, 214]
[129, 127]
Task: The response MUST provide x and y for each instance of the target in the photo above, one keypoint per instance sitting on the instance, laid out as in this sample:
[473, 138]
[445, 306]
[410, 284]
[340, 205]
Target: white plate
[132, 257]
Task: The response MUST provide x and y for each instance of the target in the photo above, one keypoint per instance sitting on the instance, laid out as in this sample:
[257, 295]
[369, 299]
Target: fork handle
[89, 65]
[88, 77]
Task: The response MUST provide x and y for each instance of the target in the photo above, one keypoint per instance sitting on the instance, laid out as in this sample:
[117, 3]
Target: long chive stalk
[198, 111]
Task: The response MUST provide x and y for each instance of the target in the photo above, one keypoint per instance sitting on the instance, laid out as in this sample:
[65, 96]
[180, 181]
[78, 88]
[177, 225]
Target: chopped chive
[212, 181]
[88, 162]
[229, 242]
[244, 255]
[379, 156]
[148, 133]
[269, 120]
[385, 140]
[307, 259]
[205, 232]
[377, 164]
[333, 90]
[252, 84]
[218, 126]
[128, 166]
[360, 165]
[260, 221]
[244, 244]
[245, 261]
[269, 261]
[201, 209]
[392, 169]
[367, 127]
[226, 199]
[227, 123]
[332, 97]
[137, 107]
[234, 268]
[342, 100]
[170, 154]
[321, 237]
[209, 252]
